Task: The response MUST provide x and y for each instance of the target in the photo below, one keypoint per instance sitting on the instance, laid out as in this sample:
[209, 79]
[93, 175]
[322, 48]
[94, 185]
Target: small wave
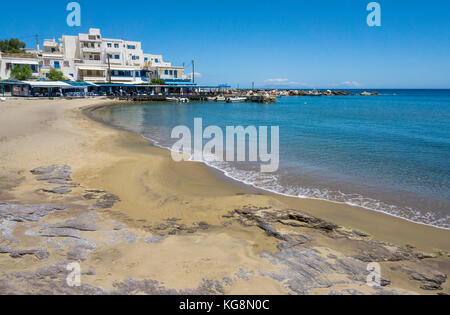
[271, 184]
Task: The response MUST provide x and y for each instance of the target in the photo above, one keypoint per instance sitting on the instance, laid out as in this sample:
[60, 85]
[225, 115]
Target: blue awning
[79, 84]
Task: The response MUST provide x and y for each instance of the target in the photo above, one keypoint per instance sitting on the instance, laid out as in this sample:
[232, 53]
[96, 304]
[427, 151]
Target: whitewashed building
[90, 57]
[9, 61]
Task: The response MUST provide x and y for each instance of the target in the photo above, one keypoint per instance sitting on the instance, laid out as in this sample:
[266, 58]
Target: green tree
[21, 72]
[12, 46]
[55, 75]
[158, 82]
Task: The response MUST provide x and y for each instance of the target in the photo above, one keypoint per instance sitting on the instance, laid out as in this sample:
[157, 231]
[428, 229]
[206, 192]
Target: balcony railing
[94, 50]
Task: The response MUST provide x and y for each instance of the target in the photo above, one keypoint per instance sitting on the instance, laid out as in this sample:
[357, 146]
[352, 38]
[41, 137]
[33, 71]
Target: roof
[23, 61]
[47, 84]
[10, 82]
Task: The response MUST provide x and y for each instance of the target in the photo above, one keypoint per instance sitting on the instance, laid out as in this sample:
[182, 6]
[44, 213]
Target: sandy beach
[73, 189]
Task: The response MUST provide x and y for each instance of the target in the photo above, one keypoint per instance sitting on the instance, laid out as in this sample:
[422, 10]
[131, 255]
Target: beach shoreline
[193, 206]
[325, 209]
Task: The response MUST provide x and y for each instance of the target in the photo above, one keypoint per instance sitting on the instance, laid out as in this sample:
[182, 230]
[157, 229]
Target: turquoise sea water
[388, 153]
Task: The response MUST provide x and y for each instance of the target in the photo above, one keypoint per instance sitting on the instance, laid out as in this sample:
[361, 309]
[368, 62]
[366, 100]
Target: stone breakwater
[279, 93]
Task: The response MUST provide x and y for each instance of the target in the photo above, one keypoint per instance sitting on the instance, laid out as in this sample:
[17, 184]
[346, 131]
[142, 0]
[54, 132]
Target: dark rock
[21, 213]
[270, 231]
[19, 253]
[384, 282]
[104, 200]
[60, 232]
[74, 224]
[378, 252]
[58, 190]
[203, 225]
[162, 227]
[430, 281]
[53, 172]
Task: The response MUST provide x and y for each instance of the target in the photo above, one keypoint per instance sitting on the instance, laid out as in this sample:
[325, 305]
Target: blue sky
[305, 44]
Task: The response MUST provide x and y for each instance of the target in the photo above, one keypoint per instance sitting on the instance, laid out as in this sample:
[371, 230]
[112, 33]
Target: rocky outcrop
[53, 173]
[368, 93]
[104, 200]
[56, 175]
[19, 253]
[428, 278]
[23, 213]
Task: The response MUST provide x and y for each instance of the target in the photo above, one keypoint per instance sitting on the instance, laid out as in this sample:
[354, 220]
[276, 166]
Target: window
[117, 56]
[110, 56]
[116, 45]
[145, 59]
[156, 60]
[171, 72]
[109, 45]
[56, 65]
[176, 73]
[131, 47]
[166, 72]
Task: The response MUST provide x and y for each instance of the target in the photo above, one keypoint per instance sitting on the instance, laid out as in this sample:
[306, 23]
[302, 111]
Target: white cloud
[284, 82]
[351, 83]
[276, 80]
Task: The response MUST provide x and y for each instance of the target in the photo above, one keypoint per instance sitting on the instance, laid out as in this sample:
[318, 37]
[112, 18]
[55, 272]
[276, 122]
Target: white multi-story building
[92, 58]
[9, 61]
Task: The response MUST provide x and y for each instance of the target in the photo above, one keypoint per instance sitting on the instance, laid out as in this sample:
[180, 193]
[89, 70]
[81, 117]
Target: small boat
[220, 99]
[178, 99]
[212, 99]
[236, 99]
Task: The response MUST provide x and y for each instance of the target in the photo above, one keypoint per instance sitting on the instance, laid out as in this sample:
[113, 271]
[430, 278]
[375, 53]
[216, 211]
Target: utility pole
[193, 72]
[109, 70]
[253, 85]
[37, 42]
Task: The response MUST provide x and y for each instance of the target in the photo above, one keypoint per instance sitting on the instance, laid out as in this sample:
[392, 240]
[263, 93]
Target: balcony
[92, 62]
[92, 50]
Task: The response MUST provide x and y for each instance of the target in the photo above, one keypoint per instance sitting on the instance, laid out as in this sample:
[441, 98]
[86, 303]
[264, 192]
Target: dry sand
[172, 224]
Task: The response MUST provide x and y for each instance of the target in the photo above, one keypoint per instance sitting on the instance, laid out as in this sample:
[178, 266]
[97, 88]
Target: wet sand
[177, 224]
